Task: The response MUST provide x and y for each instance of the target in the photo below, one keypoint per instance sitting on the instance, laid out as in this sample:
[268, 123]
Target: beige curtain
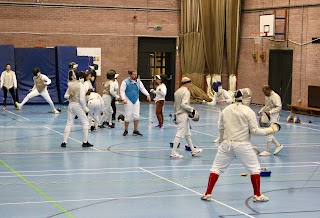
[191, 45]
[213, 25]
[233, 8]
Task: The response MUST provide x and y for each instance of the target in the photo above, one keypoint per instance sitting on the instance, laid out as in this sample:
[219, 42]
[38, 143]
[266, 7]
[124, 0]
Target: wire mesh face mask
[244, 96]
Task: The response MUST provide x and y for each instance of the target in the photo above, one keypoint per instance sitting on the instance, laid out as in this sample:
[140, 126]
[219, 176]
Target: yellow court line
[37, 189]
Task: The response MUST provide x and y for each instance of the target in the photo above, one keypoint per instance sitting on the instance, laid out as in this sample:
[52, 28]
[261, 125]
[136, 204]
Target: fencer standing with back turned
[222, 99]
[77, 107]
[238, 122]
[272, 108]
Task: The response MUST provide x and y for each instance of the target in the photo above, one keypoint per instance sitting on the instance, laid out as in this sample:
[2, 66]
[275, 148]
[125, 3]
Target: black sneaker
[92, 128]
[101, 126]
[86, 144]
[136, 133]
[125, 133]
[63, 144]
[112, 126]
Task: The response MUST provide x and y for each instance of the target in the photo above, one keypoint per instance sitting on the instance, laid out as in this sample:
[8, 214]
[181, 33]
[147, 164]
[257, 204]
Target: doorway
[157, 56]
[280, 74]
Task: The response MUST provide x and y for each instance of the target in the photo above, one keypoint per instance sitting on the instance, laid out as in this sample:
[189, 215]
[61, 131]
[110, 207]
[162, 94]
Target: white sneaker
[278, 149]
[265, 153]
[18, 106]
[260, 198]
[205, 197]
[217, 140]
[55, 111]
[176, 155]
[196, 152]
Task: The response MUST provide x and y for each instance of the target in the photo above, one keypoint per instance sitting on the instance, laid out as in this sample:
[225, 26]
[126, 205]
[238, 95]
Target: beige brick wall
[303, 25]
[115, 31]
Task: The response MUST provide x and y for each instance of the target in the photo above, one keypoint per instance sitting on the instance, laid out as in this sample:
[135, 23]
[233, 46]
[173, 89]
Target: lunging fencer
[95, 104]
[182, 112]
[108, 94]
[160, 92]
[222, 99]
[238, 122]
[271, 109]
[77, 107]
[41, 83]
[129, 91]
[8, 83]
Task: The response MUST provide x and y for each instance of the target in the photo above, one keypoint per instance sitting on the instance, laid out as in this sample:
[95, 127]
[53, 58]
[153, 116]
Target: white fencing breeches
[34, 93]
[107, 111]
[73, 110]
[132, 111]
[95, 108]
[183, 126]
[229, 150]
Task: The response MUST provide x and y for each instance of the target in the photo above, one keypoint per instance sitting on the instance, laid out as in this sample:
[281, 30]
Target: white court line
[155, 149]
[154, 167]
[95, 199]
[198, 193]
[18, 115]
[68, 137]
[133, 171]
[304, 127]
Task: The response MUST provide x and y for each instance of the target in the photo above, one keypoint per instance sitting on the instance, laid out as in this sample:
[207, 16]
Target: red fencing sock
[255, 180]
[211, 182]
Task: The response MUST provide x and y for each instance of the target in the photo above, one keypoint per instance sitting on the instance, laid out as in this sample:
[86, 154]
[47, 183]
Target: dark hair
[87, 73]
[8, 64]
[131, 71]
[163, 78]
[35, 71]
[267, 87]
[80, 75]
[70, 75]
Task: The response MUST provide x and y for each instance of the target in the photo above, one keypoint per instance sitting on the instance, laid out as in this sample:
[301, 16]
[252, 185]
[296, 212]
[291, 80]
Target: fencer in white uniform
[238, 122]
[272, 109]
[77, 107]
[182, 109]
[108, 94]
[95, 104]
[222, 99]
[41, 82]
[129, 92]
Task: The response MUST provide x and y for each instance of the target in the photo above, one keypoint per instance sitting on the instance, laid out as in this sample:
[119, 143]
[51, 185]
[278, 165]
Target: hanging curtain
[233, 10]
[213, 25]
[192, 51]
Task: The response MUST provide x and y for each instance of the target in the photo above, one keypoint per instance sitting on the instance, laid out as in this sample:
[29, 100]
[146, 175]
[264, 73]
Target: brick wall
[303, 25]
[114, 30]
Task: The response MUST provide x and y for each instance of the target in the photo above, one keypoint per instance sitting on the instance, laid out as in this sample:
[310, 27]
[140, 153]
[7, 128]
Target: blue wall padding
[84, 63]
[29, 58]
[6, 57]
[64, 54]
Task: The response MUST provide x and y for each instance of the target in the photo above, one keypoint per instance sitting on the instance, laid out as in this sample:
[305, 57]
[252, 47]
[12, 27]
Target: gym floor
[135, 177]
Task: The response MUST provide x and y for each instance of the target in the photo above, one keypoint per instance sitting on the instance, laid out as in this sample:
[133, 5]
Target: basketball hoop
[257, 36]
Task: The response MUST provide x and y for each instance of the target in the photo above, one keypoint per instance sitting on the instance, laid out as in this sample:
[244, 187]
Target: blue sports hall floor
[134, 176]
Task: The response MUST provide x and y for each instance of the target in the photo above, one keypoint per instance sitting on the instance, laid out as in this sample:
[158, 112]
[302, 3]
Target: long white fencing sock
[176, 142]
[274, 140]
[66, 133]
[269, 142]
[189, 141]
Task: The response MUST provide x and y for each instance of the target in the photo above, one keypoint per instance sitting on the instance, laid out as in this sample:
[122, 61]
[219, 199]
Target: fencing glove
[275, 127]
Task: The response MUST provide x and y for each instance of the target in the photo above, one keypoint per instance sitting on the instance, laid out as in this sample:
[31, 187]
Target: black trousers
[113, 105]
[5, 95]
